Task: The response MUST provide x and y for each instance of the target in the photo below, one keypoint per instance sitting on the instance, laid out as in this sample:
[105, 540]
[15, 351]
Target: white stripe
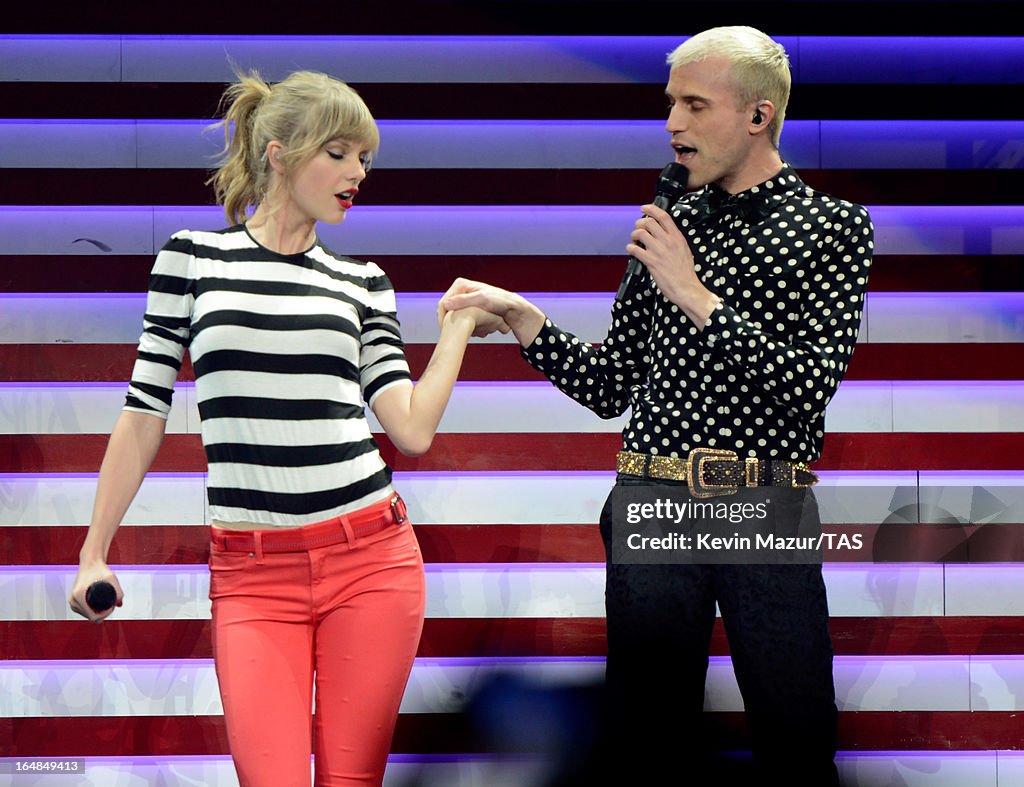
[493, 59]
[532, 498]
[407, 144]
[934, 317]
[92, 59]
[270, 385]
[865, 769]
[1010, 768]
[527, 590]
[308, 479]
[278, 342]
[272, 303]
[882, 683]
[67, 500]
[927, 769]
[358, 59]
[984, 498]
[112, 144]
[200, 771]
[76, 230]
[75, 319]
[481, 230]
[888, 317]
[64, 409]
[983, 593]
[859, 406]
[144, 687]
[228, 430]
[479, 144]
[892, 590]
[997, 683]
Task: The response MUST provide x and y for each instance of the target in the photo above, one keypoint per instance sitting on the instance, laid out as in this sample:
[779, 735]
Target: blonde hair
[303, 112]
[760, 67]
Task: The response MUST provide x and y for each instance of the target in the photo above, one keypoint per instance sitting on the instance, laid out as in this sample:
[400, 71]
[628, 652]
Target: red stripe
[922, 451]
[527, 273]
[423, 733]
[73, 363]
[937, 362]
[190, 639]
[897, 542]
[190, 544]
[471, 101]
[518, 186]
[539, 452]
[993, 361]
[499, 362]
[544, 101]
[59, 545]
[36, 640]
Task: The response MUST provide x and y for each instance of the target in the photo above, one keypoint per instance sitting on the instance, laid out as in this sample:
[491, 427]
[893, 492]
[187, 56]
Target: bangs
[339, 115]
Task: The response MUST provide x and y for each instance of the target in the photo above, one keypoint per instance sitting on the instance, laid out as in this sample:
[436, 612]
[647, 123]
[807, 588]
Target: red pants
[348, 617]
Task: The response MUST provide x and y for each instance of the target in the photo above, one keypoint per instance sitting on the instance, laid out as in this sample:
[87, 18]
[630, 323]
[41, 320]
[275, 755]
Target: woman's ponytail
[240, 181]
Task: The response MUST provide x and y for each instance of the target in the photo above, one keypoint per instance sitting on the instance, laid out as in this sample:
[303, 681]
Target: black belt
[710, 472]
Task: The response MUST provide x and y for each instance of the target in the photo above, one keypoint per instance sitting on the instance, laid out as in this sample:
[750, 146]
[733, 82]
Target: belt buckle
[399, 517]
[802, 467]
[695, 472]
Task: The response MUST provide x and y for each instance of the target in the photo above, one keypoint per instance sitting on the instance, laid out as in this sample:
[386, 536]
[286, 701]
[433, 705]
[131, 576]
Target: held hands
[483, 322]
[513, 310]
[666, 254]
[86, 576]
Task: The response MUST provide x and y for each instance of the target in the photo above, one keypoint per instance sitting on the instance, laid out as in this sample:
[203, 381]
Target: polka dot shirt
[791, 266]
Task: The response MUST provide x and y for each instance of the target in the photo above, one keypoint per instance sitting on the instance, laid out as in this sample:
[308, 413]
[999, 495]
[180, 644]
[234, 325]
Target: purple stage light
[815, 59]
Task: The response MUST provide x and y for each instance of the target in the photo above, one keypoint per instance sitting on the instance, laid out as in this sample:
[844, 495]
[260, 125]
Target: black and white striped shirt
[285, 348]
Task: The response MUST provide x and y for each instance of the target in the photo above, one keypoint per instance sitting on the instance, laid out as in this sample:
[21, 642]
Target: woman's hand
[522, 317]
[88, 573]
[484, 322]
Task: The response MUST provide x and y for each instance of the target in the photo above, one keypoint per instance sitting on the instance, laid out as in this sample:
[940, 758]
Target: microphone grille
[672, 181]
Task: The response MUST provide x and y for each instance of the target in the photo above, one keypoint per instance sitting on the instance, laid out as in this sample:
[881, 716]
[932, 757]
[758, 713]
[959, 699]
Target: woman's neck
[280, 229]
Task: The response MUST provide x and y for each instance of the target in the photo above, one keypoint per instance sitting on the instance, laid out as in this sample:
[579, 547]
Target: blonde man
[726, 348]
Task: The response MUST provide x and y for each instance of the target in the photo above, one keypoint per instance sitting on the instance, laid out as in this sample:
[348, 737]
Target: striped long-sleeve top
[286, 349]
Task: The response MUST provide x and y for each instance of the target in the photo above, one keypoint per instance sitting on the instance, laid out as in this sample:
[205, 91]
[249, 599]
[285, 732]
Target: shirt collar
[753, 205]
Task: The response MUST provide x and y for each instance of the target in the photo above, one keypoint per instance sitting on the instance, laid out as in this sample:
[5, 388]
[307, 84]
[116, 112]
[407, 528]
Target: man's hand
[667, 256]
[524, 319]
[484, 322]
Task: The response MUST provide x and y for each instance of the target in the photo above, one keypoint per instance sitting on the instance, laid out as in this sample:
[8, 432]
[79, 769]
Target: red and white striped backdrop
[930, 643]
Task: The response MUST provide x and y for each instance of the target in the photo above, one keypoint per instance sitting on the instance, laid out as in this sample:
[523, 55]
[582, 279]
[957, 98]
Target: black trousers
[660, 620]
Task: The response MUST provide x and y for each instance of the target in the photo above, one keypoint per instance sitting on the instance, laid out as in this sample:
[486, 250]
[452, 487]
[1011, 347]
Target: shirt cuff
[547, 350]
[726, 333]
[716, 327]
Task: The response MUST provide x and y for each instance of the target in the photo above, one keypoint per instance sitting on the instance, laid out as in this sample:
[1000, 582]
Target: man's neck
[755, 171]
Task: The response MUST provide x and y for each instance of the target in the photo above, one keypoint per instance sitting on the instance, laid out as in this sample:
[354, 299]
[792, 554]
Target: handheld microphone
[100, 596]
[671, 185]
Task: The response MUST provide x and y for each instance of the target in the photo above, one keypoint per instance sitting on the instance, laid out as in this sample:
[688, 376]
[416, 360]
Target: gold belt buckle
[695, 472]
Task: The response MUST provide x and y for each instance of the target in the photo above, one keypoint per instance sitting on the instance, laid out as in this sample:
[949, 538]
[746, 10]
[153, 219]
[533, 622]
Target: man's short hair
[760, 67]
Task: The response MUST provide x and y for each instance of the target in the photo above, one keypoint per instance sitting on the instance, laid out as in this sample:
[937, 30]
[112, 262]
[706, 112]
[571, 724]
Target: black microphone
[671, 185]
[100, 596]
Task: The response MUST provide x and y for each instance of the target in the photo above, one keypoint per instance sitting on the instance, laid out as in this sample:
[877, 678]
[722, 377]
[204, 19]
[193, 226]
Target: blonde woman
[316, 576]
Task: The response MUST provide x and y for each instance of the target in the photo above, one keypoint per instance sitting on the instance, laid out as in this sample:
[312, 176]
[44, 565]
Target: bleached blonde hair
[760, 66]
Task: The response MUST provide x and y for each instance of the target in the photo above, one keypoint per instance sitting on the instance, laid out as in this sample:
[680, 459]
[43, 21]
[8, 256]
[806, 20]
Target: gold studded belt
[710, 472]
